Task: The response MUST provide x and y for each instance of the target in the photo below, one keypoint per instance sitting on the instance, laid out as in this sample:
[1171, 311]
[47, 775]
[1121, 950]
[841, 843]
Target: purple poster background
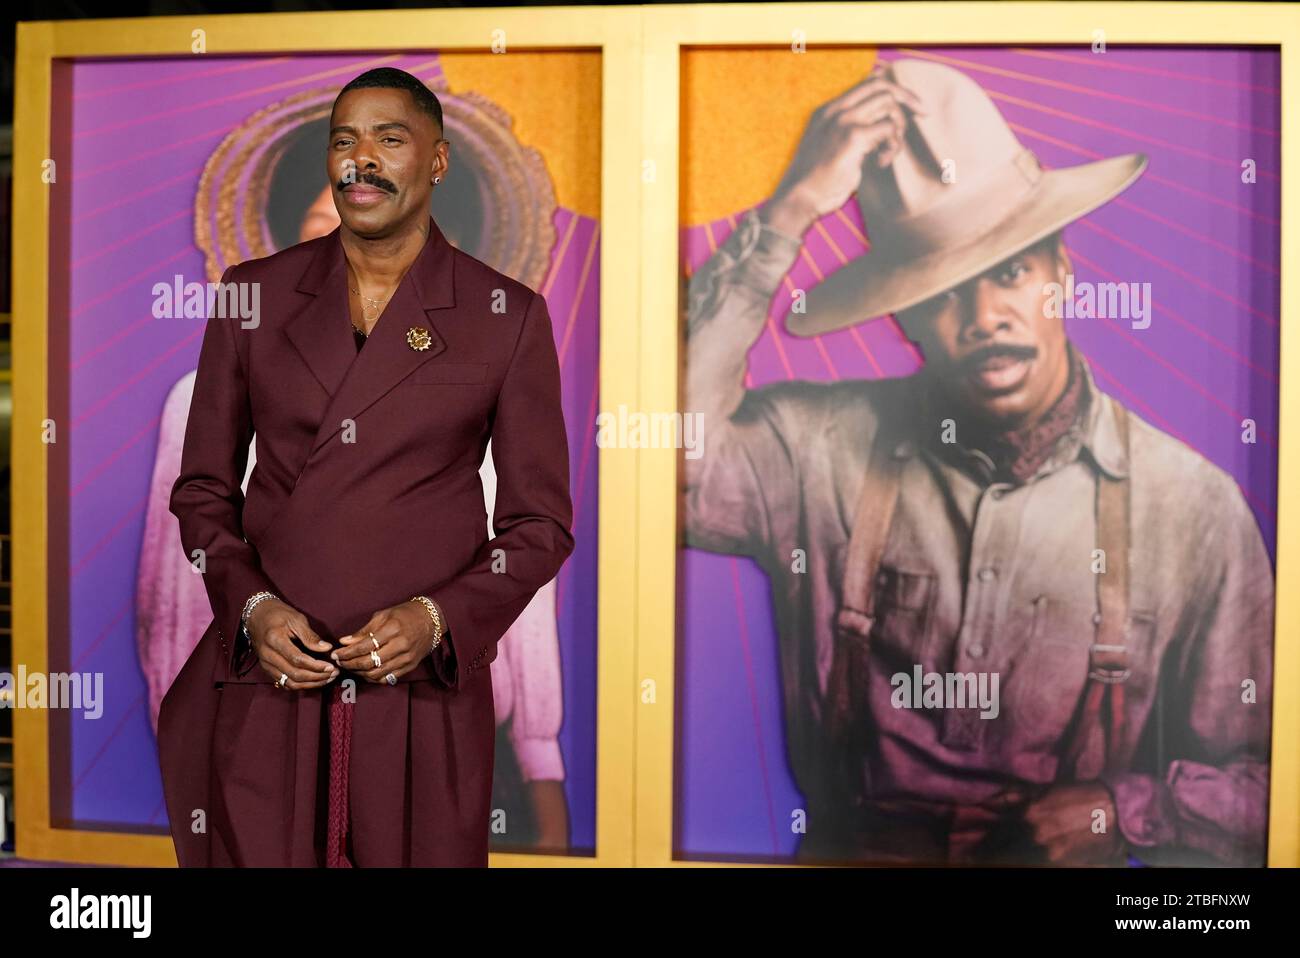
[142, 131]
[1207, 242]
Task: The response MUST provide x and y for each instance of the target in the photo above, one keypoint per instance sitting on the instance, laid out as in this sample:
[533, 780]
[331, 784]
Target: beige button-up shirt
[981, 577]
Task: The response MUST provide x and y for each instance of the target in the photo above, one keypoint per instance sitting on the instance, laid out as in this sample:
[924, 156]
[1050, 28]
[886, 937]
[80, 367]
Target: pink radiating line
[1173, 147]
[120, 335]
[1209, 198]
[774, 334]
[180, 76]
[107, 398]
[96, 212]
[121, 724]
[862, 346]
[1223, 347]
[121, 200]
[241, 95]
[1177, 271]
[1090, 91]
[104, 633]
[127, 240]
[1107, 63]
[116, 454]
[1208, 240]
[1143, 211]
[187, 177]
[829, 241]
[150, 271]
[1119, 130]
[817, 339]
[844, 261]
[561, 251]
[1164, 424]
[135, 159]
[108, 537]
[830, 366]
[1198, 387]
[853, 331]
[587, 443]
[580, 292]
[806, 257]
[743, 628]
[744, 636]
[907, 341]
[852, 227]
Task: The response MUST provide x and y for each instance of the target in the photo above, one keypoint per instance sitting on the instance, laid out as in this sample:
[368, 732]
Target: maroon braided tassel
[336, 852]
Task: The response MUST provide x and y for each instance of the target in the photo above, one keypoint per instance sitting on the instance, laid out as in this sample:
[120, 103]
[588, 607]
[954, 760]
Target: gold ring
[374, 657]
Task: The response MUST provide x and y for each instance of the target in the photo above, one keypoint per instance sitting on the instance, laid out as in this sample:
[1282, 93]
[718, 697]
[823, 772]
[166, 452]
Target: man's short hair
[390, 78]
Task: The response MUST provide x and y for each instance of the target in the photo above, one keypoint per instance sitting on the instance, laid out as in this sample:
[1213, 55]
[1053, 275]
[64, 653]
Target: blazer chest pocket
[448, 374]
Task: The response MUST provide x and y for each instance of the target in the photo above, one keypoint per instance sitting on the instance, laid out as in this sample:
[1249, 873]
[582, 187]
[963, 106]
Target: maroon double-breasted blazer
[365, 492]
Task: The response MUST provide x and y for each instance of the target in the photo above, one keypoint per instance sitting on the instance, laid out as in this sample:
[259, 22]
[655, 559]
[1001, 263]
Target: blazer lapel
[322, 333]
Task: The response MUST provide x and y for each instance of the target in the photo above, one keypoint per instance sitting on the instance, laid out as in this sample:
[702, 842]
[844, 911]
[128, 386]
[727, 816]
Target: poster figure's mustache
[983, 354]
[369, 179]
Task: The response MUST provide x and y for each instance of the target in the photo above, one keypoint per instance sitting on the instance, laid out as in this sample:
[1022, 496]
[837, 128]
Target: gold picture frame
[640, 360]
[667, 30]
[44, 47]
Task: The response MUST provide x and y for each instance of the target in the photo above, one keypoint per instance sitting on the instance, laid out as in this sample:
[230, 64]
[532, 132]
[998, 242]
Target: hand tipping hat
[961, 195]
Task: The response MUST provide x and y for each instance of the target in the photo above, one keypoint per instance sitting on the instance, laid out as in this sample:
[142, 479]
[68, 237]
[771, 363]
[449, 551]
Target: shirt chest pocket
[903, 606]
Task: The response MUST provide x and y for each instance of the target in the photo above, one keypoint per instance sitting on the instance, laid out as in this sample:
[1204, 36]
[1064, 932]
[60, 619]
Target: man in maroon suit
[338, 711]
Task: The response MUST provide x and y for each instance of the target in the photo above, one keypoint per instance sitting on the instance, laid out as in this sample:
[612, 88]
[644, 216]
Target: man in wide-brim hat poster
[1017, 621]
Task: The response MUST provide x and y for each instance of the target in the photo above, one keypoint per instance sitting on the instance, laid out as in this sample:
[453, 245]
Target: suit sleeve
[533, 513]
[207, 497]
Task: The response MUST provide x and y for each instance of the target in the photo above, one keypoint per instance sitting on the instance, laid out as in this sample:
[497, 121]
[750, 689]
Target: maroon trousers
[248, 771]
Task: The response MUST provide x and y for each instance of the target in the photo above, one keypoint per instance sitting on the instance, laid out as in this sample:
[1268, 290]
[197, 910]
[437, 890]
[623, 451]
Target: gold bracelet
[433, 614]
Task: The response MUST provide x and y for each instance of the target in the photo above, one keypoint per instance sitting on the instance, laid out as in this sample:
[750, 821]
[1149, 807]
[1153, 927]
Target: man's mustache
[982, 354]
[369, 179]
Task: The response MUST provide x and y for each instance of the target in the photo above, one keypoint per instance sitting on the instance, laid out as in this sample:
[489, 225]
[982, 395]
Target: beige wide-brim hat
[960, 197]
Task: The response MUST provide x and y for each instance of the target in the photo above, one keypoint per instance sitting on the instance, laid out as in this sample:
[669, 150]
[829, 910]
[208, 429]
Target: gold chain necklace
[375, 303]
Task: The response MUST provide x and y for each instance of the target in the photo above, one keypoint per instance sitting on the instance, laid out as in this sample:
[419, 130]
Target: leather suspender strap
[855, 618]
[1108, 659]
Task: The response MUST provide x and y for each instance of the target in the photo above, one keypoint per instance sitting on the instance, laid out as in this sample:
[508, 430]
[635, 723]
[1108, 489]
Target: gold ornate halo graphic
[516, 193]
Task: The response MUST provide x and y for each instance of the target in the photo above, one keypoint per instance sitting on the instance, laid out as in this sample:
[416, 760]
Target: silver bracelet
[253, 599]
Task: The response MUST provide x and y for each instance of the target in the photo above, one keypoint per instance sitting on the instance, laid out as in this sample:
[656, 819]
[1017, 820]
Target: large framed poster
[977, 557]
[231, 121]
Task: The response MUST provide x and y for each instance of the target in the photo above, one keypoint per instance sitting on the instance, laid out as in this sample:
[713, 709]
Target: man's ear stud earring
[437, 179]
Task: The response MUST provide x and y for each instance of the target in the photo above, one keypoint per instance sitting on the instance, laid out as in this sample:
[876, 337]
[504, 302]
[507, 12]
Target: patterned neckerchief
[1015, 455]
